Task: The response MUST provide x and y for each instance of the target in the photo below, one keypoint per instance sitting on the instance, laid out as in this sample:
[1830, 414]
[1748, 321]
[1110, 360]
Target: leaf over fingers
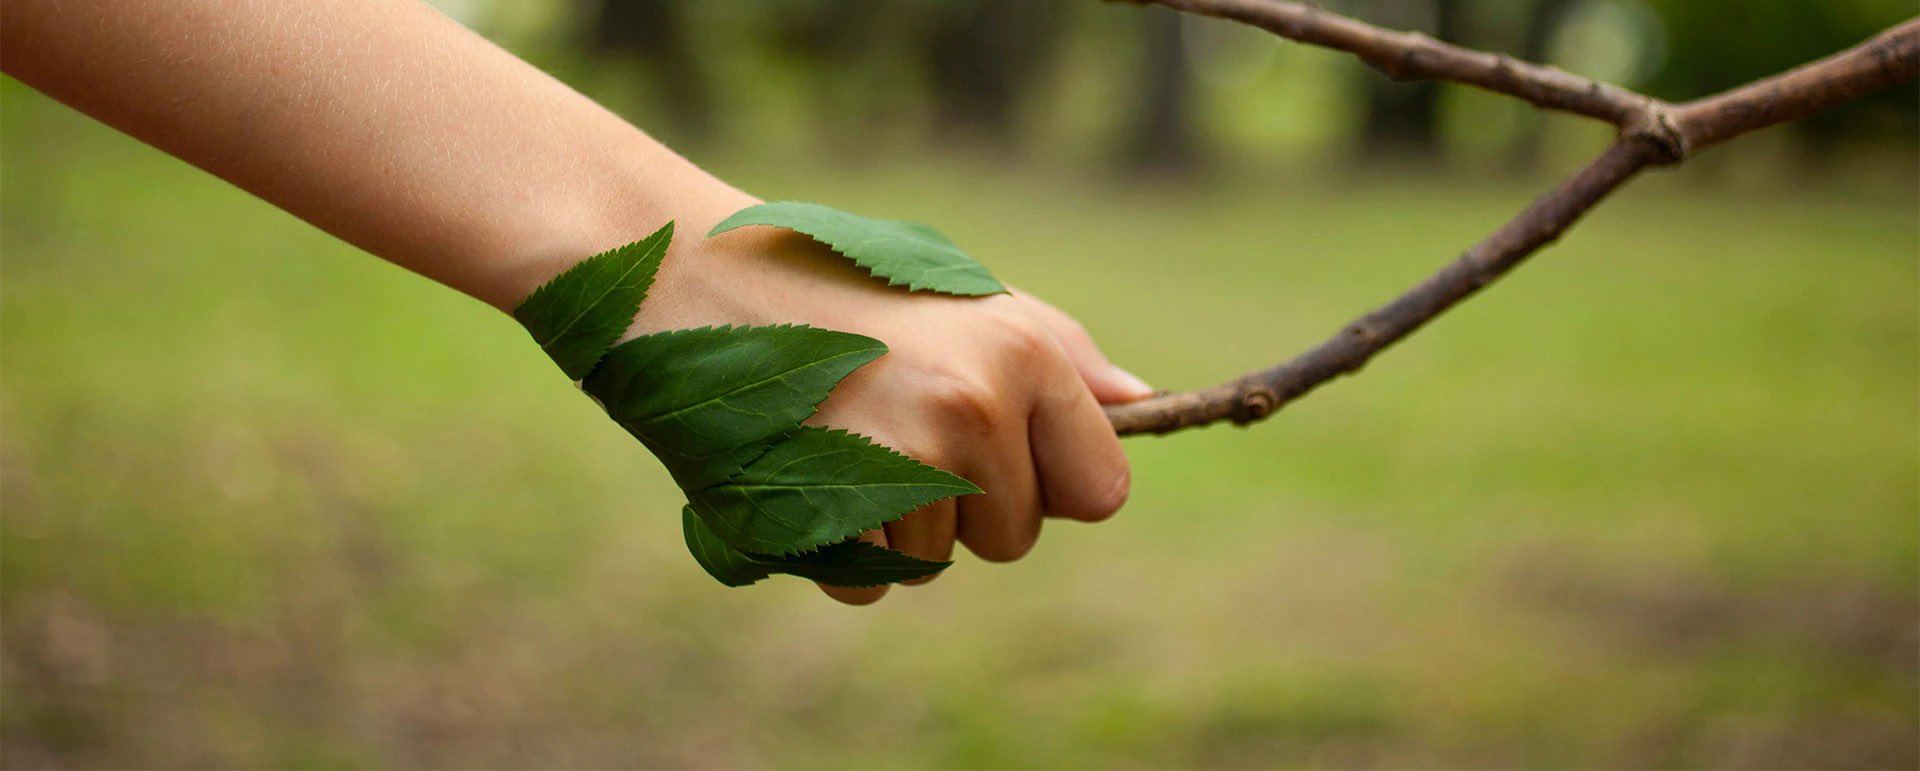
[848, 563]
[817, 487]
[709, 400]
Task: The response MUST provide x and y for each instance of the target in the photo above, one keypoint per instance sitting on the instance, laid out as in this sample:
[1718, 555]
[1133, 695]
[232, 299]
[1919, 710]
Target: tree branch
[1652, 133]
[1257, 395]
[1415, 56]
[1888, 59]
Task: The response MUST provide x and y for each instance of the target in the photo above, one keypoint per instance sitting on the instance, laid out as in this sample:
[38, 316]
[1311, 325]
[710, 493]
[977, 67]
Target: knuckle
[1027, 342]
[1019, 336]
[1057, 321]
[1073, 327]
[966, 401]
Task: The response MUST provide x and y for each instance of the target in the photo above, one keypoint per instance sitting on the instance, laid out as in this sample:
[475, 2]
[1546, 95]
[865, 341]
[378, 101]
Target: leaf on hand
[817, 487]
[848, 563]
[722, 407]
[903, 253]
[578, 315]
[707, 401]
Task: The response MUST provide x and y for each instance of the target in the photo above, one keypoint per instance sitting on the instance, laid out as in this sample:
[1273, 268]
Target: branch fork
[1652, 132]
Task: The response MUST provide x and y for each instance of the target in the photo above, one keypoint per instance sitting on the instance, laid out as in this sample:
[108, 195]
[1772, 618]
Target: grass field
[1653, 501]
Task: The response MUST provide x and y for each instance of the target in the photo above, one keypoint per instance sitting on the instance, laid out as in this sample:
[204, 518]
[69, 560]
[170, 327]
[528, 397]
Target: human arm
[394, 128]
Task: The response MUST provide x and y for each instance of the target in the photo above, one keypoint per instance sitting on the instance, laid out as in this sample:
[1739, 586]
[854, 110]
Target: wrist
[619, 203]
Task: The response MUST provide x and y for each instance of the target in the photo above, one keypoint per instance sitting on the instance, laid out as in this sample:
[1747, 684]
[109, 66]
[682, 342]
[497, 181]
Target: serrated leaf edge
[581, 265]
[687, 511]
[840, 249]
[859, 545]
[770, 565]
[973, 489]
[665, 236]
[775, 440]
[970, 487]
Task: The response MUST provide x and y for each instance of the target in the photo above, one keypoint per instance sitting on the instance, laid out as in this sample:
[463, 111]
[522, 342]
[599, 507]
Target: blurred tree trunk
[1402, 122]
[1161, 135]
[832, 40]
[856, 57]
[1536, 45]
[983, 60]
[656, 32]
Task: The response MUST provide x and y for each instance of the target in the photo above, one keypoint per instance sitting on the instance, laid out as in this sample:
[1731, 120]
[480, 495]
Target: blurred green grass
[1649, 502]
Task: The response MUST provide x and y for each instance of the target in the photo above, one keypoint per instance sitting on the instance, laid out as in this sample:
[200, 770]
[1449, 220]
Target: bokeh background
[1653, 501]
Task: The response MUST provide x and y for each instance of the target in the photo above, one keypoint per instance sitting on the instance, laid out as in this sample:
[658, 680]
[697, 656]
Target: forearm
[380, 121]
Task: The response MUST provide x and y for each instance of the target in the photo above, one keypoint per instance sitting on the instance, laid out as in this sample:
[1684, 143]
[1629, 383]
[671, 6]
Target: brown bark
[1652, 132]
[1415, 56]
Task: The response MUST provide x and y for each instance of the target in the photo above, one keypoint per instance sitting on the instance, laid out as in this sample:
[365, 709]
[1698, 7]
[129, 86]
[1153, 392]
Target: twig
[1415, 56]
[1651, 133]
[1889, 59]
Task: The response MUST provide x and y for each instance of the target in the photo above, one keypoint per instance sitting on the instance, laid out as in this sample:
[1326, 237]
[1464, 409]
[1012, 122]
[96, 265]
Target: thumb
[1109, 383]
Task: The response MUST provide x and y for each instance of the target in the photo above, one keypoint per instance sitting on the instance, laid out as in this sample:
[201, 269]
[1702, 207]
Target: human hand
[1004, 390]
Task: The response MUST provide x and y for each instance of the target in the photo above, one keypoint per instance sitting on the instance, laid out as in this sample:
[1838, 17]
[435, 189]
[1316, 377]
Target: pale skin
[394, 128]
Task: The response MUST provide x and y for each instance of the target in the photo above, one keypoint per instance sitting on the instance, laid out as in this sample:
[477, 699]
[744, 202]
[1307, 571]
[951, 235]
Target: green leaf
[900, 252]
[818, 487]
[722, 406]
[848, 563]
[581, 312]
[708, 400]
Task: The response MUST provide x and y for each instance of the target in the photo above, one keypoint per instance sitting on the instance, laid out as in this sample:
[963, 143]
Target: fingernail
[1133, 382]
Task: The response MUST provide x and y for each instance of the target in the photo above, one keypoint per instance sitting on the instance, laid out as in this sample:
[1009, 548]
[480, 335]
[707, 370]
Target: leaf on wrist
[902, 253]
[707, 401]
[579, 314]
[848, 563]
[817, 487]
